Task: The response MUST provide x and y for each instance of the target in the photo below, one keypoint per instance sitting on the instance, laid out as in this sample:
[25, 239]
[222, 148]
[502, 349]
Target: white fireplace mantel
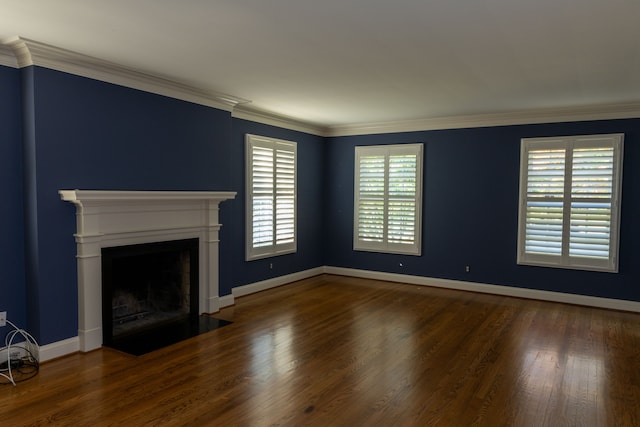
[120, 218]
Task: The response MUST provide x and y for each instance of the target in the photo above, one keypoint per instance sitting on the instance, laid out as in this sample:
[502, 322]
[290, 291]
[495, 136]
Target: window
[570, 191]
[271, 197]
[388, 199]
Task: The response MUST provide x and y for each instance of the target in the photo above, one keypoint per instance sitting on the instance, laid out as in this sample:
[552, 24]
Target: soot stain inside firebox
[150, 296]
[149, 289]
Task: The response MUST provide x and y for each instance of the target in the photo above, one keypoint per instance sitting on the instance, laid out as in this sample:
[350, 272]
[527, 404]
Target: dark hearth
[170, 333]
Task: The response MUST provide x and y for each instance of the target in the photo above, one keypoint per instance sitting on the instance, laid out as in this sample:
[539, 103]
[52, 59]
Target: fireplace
[109, 219]
[148, 286]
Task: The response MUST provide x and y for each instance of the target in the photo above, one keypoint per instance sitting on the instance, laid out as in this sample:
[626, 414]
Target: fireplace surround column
[120, 218]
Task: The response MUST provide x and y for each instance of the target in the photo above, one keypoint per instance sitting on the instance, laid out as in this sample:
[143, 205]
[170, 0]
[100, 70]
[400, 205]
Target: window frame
[570, 144]
[385, 246]
[252, 142]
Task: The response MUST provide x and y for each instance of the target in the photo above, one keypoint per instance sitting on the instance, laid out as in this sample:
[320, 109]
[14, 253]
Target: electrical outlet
[3, 318]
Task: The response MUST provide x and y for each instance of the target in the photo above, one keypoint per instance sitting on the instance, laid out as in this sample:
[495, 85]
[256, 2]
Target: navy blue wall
[63, 131]
[12, 289]
[94, 135]
[82, 133]
[310, 205]
[470, 210]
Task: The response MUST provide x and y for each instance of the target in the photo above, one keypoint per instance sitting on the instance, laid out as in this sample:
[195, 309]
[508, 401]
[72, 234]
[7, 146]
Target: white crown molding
[247, 112]
[7, 58]
[550, 115]
[29, 52]
[20, 52]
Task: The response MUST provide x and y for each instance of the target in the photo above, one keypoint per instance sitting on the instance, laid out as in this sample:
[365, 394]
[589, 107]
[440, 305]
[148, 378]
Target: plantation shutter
[570, 213]
[387, 202]
[371, 198]
[262, 191]
[591, 202]
[285, 194]
[271, 197]
[401, 213]
[545, 201]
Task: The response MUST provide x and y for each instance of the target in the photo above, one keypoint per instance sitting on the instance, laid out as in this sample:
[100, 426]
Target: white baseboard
[227, 300]
[276, 281]
[59, 349]
[72, 345]
[609, 303]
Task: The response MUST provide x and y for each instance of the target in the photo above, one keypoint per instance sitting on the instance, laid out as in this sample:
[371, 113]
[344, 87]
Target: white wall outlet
[3, 318]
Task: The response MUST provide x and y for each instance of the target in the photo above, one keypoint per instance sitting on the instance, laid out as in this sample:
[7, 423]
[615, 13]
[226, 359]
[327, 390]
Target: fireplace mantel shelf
[113, 214]
[116, 195]
[108, 218]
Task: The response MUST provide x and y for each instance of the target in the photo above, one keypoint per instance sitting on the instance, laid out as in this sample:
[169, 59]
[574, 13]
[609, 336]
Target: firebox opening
[148, 286]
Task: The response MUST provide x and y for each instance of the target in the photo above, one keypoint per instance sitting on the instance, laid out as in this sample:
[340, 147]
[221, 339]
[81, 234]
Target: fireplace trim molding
[106, 218]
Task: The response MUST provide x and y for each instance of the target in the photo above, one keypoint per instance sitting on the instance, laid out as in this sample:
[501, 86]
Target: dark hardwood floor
[339, 351]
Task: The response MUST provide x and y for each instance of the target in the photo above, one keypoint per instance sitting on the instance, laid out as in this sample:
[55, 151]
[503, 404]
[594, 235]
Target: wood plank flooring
[340, 351]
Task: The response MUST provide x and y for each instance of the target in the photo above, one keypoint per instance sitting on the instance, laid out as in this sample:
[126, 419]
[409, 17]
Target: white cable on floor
[29, 355]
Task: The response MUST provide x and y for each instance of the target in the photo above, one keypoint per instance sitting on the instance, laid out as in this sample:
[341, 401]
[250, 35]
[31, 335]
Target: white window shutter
[262, 191]
[271, 197]
[371, 198]
[570, 190]
[285, 197]
[545, 193]
[591, 202]
[402, 198]
[388, 194]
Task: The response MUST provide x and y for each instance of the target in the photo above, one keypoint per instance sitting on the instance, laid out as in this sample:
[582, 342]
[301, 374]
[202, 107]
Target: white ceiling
[346, 62]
